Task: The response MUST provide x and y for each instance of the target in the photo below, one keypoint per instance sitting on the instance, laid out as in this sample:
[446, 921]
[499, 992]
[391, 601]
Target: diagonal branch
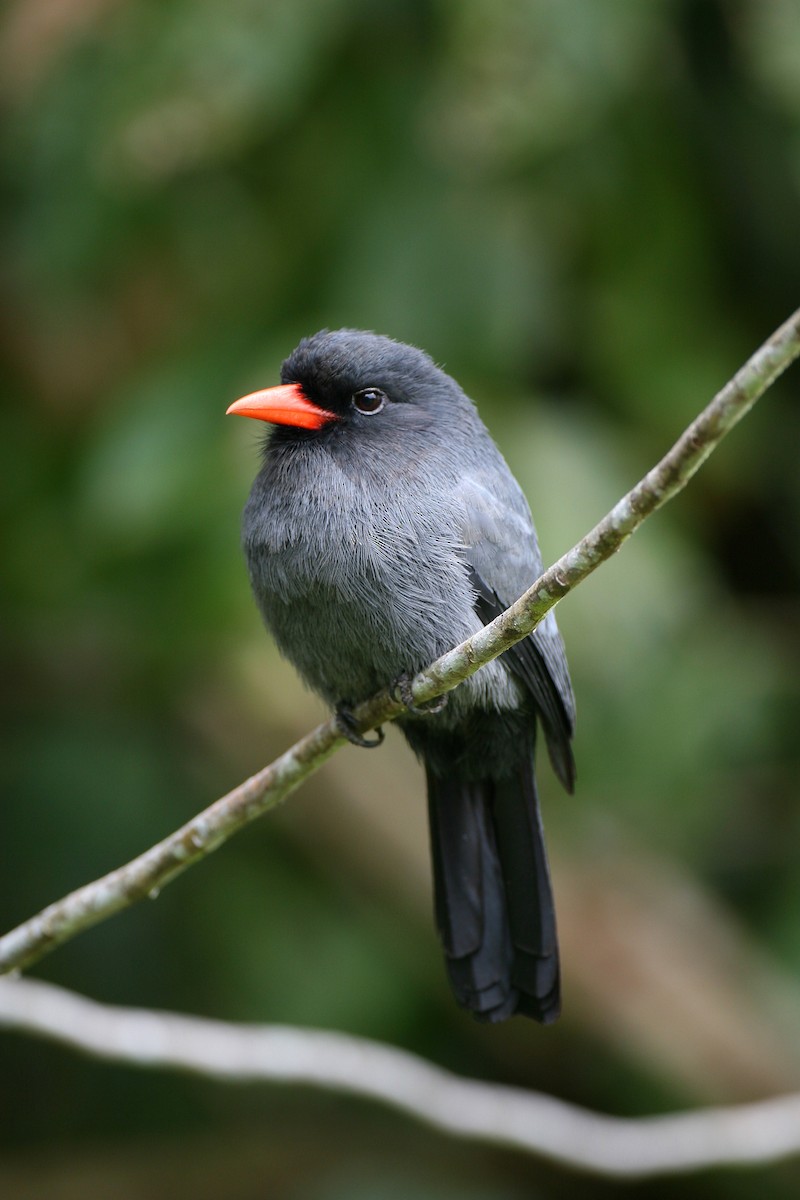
[617, 1147]
[147, 874]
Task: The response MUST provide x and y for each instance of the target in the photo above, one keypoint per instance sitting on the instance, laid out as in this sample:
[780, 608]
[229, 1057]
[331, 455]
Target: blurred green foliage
[589, 214]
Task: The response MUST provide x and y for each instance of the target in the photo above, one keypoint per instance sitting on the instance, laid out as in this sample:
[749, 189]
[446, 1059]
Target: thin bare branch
[158, 866]
[763, 1132]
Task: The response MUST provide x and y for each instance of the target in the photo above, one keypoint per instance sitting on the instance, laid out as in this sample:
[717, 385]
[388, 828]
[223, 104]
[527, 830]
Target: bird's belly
[350, 633]
[335, 648]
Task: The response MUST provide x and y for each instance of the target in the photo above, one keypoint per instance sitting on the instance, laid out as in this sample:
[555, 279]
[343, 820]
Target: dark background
[589, 214]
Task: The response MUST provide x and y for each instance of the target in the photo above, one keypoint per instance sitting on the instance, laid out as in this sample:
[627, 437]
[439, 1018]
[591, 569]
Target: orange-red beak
[283, 405]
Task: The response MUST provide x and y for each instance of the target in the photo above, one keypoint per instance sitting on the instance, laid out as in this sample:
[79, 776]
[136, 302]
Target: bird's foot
[348, 728]
[401, 690]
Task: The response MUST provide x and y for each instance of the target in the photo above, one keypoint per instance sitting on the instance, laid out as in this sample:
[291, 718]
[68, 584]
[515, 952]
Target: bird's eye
[369, 400]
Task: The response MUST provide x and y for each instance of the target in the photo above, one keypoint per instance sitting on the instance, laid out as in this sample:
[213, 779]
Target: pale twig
[147, 874]
[762, 1132]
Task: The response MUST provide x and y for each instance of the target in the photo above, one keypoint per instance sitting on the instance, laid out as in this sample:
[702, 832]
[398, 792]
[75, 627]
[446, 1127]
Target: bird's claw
[401, 690]
[348, 728]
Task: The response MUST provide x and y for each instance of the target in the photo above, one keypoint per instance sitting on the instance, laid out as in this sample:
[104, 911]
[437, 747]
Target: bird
[383, 528]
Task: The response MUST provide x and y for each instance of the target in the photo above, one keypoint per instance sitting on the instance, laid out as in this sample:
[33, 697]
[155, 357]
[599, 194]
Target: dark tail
[494, 903]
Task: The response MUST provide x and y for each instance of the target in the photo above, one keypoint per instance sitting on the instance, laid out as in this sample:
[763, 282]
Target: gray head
[332, 365]
[345, 379]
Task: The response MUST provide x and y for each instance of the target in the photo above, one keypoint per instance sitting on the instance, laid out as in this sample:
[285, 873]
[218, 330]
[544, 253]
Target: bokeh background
[588, 213]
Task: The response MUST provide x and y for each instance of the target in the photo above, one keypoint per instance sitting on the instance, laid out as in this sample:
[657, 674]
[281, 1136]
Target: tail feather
[493, 900]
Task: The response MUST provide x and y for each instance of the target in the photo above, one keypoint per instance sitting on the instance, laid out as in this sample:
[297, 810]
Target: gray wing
[500, 547]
